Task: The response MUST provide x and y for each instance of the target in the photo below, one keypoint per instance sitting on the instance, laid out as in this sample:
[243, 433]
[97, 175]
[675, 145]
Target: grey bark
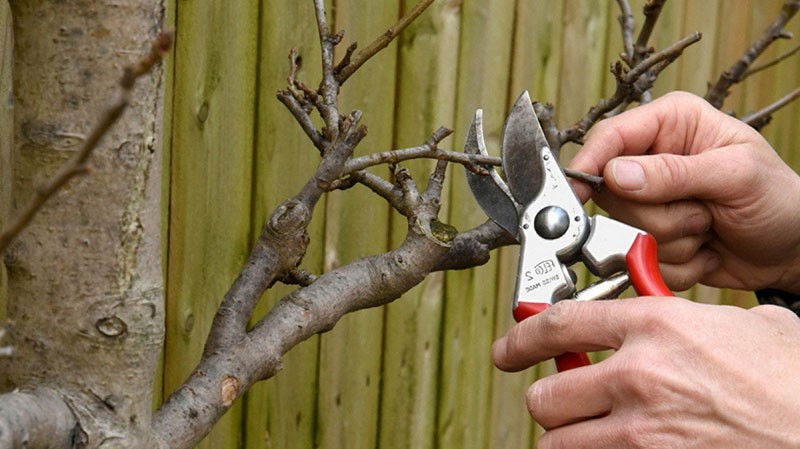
[6, 131]
[84, 287]
[85, 302]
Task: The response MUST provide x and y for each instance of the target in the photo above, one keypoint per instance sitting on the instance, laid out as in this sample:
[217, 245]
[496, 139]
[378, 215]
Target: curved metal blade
[522, 139]
[490, 191]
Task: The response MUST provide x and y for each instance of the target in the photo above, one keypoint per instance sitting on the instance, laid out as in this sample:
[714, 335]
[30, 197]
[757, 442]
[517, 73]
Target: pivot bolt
[551, 222]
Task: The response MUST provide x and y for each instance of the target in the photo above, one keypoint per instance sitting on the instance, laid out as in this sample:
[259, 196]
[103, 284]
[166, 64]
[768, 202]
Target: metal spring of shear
[537, 205]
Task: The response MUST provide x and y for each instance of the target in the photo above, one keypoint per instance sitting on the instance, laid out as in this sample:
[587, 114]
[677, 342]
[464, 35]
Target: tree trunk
[85, 288]
[6, 133]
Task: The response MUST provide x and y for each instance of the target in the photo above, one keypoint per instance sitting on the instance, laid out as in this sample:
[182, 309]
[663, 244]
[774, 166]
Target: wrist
[789, 267]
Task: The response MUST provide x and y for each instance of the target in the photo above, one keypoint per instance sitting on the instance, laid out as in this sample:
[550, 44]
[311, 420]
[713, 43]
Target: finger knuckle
[673, 170]
[558, 318]
[678, 251]
[778, 313]
[682, 281]
[637, 379]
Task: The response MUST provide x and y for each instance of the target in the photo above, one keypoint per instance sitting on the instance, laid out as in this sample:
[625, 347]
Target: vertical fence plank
[483, 75]
[281, 413]
[210, 180]
[417, 373]
[536, 63]
[6, 133]
[356, 226]
[425, 101]
[583, 66]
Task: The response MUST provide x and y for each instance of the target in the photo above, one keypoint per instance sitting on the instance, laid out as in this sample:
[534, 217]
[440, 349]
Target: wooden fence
[417, 373]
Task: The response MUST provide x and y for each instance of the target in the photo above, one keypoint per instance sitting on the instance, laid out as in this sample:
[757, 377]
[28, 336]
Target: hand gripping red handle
[642, 260]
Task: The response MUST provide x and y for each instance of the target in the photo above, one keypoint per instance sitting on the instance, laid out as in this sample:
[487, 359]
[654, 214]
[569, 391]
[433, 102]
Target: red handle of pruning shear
[564, 362]
[642, 260]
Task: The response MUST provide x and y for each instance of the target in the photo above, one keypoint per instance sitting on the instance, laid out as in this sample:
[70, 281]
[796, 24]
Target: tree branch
[779, 59]
[299, 277]
[629, 86]
[224, 375]
[472, 248]
[350, 66]
[626, 24]
[652, 11]
[35, 418]
[761, 118]
[329, 87]
[721, 89]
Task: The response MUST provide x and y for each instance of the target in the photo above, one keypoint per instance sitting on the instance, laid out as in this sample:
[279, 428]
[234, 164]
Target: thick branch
[472, 248]
[222, 377]
[35, 419]
[280, 248]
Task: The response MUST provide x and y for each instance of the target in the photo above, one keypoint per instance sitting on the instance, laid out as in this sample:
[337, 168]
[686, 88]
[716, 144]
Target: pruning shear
[537, 205]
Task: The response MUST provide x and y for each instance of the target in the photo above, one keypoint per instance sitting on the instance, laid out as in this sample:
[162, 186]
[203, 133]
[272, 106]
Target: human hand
[709, 188]
[684, 375]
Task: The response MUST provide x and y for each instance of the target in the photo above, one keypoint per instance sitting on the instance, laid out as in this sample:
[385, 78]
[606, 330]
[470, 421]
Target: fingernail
[628, 175]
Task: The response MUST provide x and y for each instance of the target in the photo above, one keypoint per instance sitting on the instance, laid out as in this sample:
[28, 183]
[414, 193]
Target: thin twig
[436, 181]
[383, 188]
[719, 91]
[652, 11]
[467, 160]
[329, 87]
[303, 119]
[787, 55]
[760, 118]
[407, 185]
[668, 54]
[595, 182]
[381, 42]
[78, 164]
[629, 86]
[626, 24]
[428, 150]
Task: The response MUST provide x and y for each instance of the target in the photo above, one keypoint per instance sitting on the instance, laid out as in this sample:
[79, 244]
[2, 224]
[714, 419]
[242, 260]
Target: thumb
[665, 177]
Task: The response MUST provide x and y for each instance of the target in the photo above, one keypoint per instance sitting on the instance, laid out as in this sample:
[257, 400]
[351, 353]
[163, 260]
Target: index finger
[570, 326]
